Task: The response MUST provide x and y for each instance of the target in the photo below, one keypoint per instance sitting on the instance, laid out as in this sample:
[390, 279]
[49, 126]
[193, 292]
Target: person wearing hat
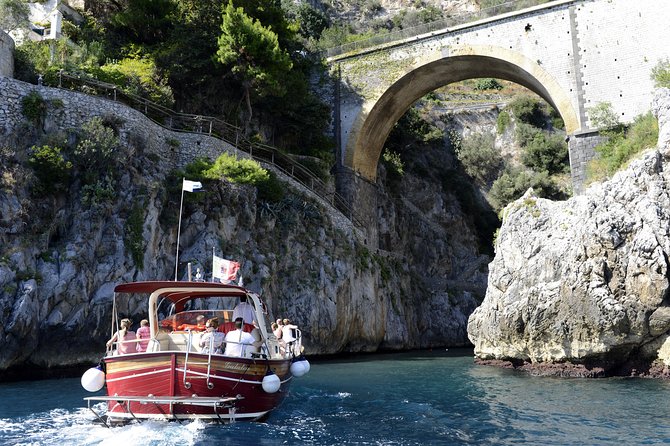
[237, 340]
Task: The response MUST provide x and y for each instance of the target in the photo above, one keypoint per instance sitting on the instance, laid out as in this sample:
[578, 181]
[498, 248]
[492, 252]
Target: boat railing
[189, 344]
[210, 350]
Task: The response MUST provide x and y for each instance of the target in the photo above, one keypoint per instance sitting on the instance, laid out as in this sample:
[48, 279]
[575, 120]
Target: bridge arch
[372, 126]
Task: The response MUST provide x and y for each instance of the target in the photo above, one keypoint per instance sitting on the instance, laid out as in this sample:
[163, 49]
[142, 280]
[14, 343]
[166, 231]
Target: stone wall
[69, 110]
[6, 55]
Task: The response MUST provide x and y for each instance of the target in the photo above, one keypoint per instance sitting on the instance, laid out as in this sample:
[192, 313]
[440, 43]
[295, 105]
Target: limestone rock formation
[585, 282]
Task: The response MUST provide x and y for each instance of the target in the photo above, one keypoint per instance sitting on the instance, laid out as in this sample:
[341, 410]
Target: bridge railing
[455, 20]
[212, 126]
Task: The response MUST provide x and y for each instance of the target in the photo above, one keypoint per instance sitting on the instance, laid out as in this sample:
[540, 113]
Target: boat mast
[181, 203]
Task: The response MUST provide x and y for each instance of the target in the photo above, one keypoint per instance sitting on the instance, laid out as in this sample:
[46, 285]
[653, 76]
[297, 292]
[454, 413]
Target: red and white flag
[224, 270]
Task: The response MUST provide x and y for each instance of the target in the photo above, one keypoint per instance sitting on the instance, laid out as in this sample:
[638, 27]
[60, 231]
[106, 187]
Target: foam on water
[60, 426]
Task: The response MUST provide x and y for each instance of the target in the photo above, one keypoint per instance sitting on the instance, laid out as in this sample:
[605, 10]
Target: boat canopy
[181, 292]
[198, 289]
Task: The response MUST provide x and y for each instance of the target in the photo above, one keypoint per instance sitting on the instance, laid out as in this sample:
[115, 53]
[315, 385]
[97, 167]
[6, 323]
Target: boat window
[188, 320]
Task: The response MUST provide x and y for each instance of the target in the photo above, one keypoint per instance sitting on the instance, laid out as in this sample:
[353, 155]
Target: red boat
[176, 378]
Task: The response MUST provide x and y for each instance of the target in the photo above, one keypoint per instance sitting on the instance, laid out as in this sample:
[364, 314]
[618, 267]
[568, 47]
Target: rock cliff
[581, 287]
[62, 253]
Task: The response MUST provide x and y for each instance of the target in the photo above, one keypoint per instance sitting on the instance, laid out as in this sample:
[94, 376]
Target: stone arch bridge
[573, 53]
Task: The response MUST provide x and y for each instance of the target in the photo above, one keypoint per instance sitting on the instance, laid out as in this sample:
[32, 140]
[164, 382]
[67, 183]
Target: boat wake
[61, 426]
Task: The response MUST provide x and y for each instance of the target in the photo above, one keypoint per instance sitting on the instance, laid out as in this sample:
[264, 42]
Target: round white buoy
[306, 364]
[93, 379]
[271, 383]
[298, 369]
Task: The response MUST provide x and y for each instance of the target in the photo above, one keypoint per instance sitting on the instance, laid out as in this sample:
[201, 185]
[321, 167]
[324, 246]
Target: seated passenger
[237, 340]
[126, 341]
[244, 310]
[143, 336]
[212, 340]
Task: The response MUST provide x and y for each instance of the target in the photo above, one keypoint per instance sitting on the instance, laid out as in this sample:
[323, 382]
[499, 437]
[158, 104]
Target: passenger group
[234, 340]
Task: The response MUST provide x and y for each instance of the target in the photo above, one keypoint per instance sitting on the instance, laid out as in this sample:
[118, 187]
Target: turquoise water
[416, 398]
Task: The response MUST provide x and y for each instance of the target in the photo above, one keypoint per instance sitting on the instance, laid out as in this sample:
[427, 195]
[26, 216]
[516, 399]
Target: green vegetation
[237, 170]
[254, 52]
[622, 144]
[393, 161]
[51, 169]
[661, 74]
[528, 110]
[247, 171]
[134, 240]
[204, 57]
[514, 182]
[96, 150]
[503, 121]
[479, 157]
[546, 152]
[34, 107]
[487, 84]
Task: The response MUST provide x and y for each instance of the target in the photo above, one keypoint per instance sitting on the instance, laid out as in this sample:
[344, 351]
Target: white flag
[224, 270]
[191, 186]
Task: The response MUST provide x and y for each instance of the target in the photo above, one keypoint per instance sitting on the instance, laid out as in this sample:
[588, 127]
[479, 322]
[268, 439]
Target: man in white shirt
[237, 340]
[244, 310]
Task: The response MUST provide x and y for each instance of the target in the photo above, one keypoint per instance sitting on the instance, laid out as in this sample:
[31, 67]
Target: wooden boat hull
[171, 375]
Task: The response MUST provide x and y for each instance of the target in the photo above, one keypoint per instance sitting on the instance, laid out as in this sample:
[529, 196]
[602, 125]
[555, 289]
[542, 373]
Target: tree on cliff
[254, 53]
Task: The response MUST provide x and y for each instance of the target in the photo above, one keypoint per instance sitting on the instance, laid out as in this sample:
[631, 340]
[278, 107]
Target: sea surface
[419, 398]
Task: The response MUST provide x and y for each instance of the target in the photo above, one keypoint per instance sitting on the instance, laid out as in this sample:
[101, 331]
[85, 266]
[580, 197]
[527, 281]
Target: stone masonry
[582, 150]
[69, 110]
[6, 55]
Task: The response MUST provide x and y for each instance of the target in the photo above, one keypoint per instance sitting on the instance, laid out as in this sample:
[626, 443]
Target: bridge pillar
[6, 55]
[362, 195]
[581, 146]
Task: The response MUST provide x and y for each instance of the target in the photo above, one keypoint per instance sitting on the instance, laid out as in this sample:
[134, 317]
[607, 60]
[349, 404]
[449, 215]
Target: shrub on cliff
[96, 148]
[661, 74]
[50, 167]
[621, 145]
[479, 157]
[546, 152]
[34, 107]
[514, 182]
[246, 171]
[528, 110]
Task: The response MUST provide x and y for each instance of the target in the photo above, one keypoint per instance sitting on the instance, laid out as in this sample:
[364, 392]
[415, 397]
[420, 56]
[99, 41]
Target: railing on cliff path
[456, 20]
[211, 126]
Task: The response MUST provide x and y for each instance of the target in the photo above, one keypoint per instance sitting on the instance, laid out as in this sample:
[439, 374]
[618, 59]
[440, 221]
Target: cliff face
[62, 253]
[585, 281]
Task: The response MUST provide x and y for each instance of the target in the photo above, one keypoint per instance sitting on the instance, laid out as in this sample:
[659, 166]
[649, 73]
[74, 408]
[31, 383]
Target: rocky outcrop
[585, 282]
[61, 254]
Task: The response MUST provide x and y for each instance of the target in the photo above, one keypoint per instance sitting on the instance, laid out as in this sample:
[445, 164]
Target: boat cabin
[177, 312]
